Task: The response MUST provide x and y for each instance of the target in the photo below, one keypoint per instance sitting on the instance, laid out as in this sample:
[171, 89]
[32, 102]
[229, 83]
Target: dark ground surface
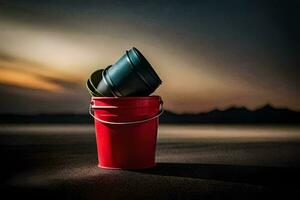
[60, 163]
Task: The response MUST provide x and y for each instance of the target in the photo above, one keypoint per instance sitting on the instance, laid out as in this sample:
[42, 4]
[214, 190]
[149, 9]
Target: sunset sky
[209, 54]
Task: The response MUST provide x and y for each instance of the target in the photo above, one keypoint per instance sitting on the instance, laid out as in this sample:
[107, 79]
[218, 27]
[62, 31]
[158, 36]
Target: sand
[193, 162]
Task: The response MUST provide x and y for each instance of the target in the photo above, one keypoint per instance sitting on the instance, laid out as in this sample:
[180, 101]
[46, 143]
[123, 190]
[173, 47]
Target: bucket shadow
[256, 175]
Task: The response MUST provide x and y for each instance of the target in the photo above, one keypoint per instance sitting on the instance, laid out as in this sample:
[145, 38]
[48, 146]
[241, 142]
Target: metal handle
[161, 110]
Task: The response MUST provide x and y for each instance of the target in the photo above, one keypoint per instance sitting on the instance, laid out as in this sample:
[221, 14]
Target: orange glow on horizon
[27, 80]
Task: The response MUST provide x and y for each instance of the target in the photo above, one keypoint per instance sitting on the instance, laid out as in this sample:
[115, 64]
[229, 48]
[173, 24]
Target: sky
[209, 54]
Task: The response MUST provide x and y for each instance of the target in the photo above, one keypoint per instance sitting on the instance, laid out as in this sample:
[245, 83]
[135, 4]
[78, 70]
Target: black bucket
[93, 82]
[91, 91]
[131, 75]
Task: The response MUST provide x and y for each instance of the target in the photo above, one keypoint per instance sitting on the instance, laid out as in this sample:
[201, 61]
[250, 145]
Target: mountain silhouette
[233, 115]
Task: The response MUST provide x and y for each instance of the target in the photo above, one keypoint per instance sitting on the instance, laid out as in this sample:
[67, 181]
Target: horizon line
[167, 110]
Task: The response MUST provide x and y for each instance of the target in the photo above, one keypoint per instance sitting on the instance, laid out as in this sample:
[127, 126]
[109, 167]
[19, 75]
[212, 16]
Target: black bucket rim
[93, 92]
[93, 74]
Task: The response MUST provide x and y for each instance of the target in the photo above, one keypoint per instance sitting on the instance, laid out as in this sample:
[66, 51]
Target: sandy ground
[193, 162]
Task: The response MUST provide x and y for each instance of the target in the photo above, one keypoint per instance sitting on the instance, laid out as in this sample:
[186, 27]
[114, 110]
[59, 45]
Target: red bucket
[126, 130]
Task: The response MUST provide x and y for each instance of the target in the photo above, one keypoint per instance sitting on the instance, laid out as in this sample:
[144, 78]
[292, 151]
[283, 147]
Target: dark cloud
[65, 84]
[7, 58]
[24, 100]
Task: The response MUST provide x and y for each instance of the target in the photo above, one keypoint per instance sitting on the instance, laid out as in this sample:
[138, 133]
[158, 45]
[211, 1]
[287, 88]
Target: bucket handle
[161, 110]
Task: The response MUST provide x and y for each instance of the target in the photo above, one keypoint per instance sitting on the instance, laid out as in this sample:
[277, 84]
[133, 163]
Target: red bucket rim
[127, 98]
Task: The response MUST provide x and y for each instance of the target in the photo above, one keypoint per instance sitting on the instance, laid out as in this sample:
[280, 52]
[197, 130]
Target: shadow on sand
[256, 175]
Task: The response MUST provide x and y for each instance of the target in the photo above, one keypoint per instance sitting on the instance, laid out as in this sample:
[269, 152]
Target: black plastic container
[93, 82]
[131, 75]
